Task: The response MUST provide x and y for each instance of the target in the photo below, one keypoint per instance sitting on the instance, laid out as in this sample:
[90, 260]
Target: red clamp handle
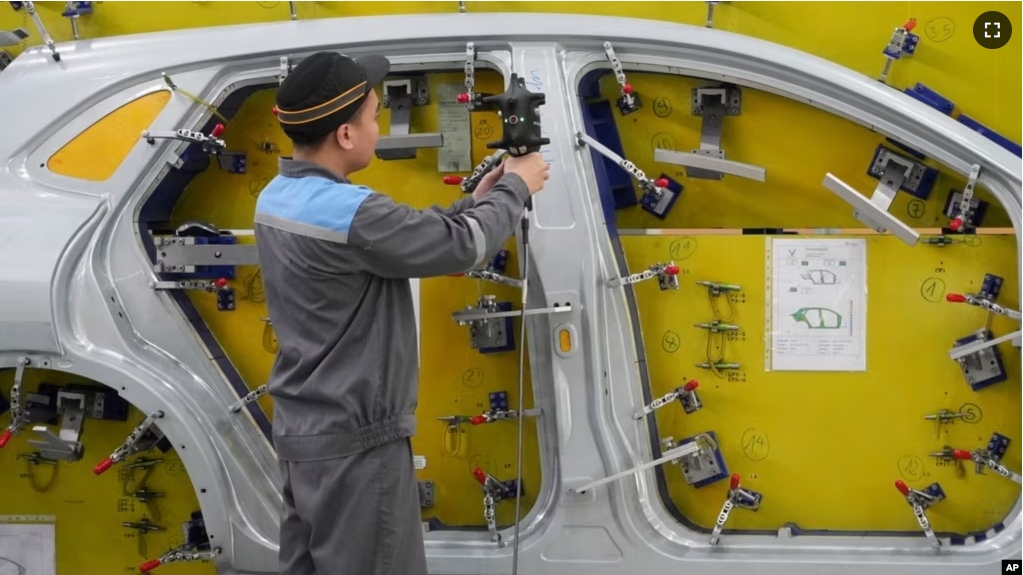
[693, 384]
[902, 487]
[480, 475]
[217, 131]
[910, 25]
[149, 565]
[956, 224]
[102, 466]
[453, 180]
[671, 270]
[955, 298]
[478, 420]
[734, 483]
[4, 438]
[463, 98]
[627, 89]
[961, 454]
[659, 182]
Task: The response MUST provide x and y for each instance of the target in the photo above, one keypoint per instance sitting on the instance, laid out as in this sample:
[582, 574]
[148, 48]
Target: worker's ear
[343, 135]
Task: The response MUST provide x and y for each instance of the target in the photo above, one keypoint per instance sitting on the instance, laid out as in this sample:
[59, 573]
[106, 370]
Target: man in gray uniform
[336, 258]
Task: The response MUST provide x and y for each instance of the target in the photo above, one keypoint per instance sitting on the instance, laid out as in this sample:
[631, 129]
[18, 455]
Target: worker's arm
[398, 241]
[456, 208]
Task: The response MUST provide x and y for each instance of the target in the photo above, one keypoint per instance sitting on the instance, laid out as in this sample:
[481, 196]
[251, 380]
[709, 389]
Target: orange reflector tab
[565, 340]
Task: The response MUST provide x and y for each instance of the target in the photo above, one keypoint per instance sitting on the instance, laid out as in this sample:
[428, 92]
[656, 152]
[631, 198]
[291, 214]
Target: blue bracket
[76, 9]
[935, 491]
[499, 263]
[991, 286]
[225, 299]
[933, 99]
[998, 446]
[499, 401]
[660, 206]
[955, 199]
[921, 178]
[234, 162]
[991, 134]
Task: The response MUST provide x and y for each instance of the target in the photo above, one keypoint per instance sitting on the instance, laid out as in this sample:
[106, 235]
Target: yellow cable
[711, 359]
[447, 440]
[32, 477]
[717, 312]
[270, 343]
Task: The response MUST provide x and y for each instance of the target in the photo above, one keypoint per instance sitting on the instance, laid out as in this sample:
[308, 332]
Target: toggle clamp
[990, 457]
[18, 415]
[737, 497]
[984, 303]
[211, 144]
[495, 491]
[469, 184]
[902, 43]
[628, 102]
[138, 440]
[962, 215]
[501, 415]
[920, 501]
[30, 7]
[685, 394]
[179, 556]
[250, 397]
[658, 195]
[666, 274]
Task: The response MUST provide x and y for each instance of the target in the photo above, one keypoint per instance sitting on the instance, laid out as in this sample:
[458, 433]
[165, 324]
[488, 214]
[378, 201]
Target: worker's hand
[531, 168]
[487, 182]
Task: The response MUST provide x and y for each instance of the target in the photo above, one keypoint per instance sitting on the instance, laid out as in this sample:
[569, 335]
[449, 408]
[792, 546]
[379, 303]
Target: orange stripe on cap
[336, 104]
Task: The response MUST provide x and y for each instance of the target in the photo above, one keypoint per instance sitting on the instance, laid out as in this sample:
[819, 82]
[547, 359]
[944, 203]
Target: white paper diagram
[27, 549]
[818, 304]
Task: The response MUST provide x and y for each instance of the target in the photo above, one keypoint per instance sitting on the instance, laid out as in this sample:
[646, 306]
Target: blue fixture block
[660, 206]
[991, 134]
[931, 98]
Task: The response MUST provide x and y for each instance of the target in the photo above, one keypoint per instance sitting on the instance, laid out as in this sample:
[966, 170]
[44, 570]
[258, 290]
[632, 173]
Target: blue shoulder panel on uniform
[311, 206]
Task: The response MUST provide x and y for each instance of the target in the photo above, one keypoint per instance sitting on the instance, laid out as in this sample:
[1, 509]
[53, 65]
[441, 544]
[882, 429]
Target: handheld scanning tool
[519, 110]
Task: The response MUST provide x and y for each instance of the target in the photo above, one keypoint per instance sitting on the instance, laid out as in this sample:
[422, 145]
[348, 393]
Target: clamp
[501, 415]
[131, 445]
[470, 183]
[18, 418]
[737, 497]
[920, 501]
[902, 43]
[30, 7]
[250, 397]
[717, 326]
[718, 365]
[628, 102]
[984, 303]
[657, 189]
[211, 144]
[179, 556]
[469, 96]
[495, 491]
[666, 274]
[685, 394]
[963, 218]
[984, 458]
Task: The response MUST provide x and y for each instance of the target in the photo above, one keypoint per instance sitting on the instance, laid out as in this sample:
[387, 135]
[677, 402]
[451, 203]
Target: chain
[17, 416]
[488, 514]
[470, 60]
[616, 66]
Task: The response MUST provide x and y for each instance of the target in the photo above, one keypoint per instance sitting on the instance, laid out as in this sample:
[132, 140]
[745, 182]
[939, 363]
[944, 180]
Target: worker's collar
[298, 169]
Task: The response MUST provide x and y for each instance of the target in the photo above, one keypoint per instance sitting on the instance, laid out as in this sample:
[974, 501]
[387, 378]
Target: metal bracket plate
[712, 104]
[181, 255]
[427, 493]
[871, 213]
[400, 95]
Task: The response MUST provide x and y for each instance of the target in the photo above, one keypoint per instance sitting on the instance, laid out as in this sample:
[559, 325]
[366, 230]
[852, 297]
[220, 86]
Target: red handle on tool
[693, 384]
[627, 88]
[463, 98]
[481, 475]
[734, 484]
[478, 419]
[671, 270]
[661, 182]
[956, 224]
[910, 25]
[955, 297]
[149, 565]
[902, 487]
[961, 454]
[217, 131]
[102, 466]
[453, 180]
[4, 438]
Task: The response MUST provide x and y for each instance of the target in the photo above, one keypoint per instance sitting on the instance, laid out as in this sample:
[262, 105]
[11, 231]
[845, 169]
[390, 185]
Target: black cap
[325, 91]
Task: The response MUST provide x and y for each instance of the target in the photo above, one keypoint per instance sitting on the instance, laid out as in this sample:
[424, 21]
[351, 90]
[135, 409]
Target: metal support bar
[648, 185]
[671, 455]
[962, 351]
[471, 315]
[181, 255]
[713, 104]
[400, 95]
[710, 163]
[390, 145]
[871, 213]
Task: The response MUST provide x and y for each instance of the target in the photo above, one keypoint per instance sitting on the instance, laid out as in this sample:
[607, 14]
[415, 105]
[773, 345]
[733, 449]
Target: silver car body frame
[77, 297]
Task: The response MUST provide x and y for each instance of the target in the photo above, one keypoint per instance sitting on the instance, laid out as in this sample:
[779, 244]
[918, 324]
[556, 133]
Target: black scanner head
[520, 118]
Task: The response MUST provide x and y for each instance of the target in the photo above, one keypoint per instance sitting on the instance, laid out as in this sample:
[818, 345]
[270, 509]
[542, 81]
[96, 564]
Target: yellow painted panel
[795, 143]
[454, 379]
[825, 448]
[89, 509]
[96, 153]
[984, 83]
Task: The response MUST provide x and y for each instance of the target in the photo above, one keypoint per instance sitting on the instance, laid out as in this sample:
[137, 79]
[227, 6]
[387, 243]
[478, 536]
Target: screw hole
[120, 315]
[182, 447]
[122, 389]
[203, 490]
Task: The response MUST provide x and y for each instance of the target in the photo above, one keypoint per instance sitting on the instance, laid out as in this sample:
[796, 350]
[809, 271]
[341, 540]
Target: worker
[336, 259]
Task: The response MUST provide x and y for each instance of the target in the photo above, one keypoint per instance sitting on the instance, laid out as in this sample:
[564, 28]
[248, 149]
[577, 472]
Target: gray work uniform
[335, 259]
